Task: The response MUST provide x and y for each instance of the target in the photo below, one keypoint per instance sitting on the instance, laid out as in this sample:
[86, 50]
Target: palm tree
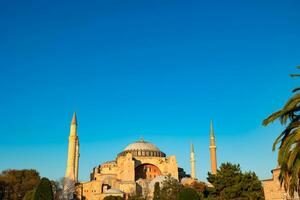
[288, 141]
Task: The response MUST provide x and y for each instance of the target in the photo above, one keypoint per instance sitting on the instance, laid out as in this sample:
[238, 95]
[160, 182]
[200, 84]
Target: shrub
[113, 198]
[188, 194]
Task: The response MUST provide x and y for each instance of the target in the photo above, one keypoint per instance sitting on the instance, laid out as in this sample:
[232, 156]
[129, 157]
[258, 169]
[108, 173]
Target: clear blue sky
[157, 69]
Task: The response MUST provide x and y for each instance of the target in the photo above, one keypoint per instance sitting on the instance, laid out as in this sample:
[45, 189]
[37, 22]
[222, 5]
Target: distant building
[273, 189]
[131, 172]
[134, 171]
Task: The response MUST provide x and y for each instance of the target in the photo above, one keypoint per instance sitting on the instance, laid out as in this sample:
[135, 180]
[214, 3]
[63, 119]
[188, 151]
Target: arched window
[146, 171]
[105, 187]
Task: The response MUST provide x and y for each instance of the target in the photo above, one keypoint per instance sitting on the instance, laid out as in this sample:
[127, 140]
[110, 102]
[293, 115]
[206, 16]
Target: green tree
[188, 193]
[156, 194]
[251, 186]
[288, 141]
[14, 184]
[170, 189]
[44, 190]
[3, 188]
[230, 183]
[29, 195]
[113, 198]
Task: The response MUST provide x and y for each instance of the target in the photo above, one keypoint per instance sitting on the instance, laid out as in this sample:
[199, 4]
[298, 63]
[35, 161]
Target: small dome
[113, 191]
[141, 145]
[187, 181]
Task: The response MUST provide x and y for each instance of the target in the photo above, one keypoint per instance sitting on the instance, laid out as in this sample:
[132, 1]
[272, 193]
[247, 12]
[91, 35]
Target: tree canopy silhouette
[230, 183]
[44, 190]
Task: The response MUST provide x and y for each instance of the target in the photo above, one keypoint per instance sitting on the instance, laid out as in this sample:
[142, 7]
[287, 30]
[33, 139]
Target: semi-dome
[143, 148]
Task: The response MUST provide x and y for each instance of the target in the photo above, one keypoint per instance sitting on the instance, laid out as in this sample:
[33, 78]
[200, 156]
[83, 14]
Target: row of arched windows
[144, 153]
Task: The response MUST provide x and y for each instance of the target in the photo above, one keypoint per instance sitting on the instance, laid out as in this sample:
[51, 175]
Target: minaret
[213, 148]
[73, 152]
[76, 160]
[193, 170]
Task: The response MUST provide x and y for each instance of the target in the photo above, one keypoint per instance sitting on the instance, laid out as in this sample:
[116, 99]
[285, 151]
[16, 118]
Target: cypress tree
[44, 190]
[156, 195]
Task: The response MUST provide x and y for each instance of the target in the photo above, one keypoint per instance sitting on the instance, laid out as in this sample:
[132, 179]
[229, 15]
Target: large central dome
[143, 148]
[141, 145]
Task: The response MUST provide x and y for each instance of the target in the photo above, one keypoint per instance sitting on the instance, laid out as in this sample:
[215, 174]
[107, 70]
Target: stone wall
[273, 189]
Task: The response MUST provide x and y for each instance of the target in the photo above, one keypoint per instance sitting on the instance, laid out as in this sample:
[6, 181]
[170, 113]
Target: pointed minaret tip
[192, 161]
[212, 134]
[74, 119]
[192, 148]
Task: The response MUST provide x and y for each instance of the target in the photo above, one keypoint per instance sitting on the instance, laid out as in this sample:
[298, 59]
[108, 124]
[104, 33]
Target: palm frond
[283, 114]
[296, 89]
[272, 117]
[294, 182]
[285, 133]
[278, 139]
[287, 145]
[294, 75]
[294, 154]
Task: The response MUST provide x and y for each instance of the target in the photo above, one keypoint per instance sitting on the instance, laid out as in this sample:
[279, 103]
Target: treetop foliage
[156, 193]
[44, 190]
[188, 193]
[231, 183]
[14, 184]
[29, 195]
[170, 189]
[113, 198]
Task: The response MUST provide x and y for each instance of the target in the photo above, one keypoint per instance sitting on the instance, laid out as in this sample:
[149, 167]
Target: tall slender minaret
[212, 149]
[193, 169]
[76, 160]
[73, 152]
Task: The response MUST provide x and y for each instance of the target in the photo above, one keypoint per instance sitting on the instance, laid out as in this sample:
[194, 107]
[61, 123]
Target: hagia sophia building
[135, 170]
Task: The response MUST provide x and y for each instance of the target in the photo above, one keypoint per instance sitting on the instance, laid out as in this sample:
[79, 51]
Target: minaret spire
[213, 149]
[192, 148]
[73, 129]
[193, 170]
[212, 134]
[74, 119]
[71, 176]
